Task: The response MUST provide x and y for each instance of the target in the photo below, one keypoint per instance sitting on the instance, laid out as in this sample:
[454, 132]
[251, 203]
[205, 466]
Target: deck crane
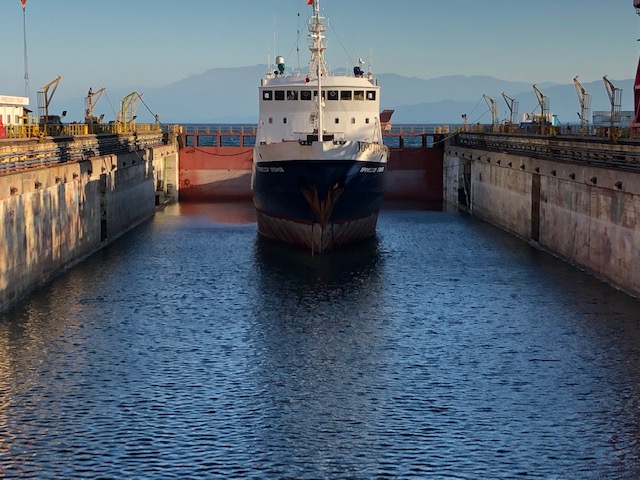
[89, 104]
[493, 107]
[128, 107]
[615, 98]
[585, 105]
[512, 105]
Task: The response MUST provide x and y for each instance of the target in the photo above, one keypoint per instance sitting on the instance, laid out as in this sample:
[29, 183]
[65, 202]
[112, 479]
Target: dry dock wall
[588, 215]
[53, 217]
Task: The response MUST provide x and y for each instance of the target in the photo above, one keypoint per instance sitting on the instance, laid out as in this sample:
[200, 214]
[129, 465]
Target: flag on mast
[309, 2]
[24, 4]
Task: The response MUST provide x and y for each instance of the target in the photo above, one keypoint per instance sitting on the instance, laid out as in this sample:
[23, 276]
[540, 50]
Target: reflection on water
[231, 213]
[442, 348]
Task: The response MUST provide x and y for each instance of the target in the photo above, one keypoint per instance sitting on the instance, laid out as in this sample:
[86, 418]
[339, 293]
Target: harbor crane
[493, 108]
[543, 102]
[585, 105]
[44, 99]
[512, 105]
[50, 124]
[128, 107]
[89, 104]
[615, 98]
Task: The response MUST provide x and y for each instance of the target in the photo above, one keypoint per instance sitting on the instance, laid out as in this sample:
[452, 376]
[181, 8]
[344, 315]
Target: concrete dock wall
[53, 217]
[588, 215]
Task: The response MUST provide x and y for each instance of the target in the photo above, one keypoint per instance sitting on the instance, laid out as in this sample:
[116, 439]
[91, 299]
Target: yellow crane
[44, 99]
[128, 107]
[585, 105]
[512, 105]
[50, 124]
[493, 108]
[89, 104]
[543, 102]
[615, 98]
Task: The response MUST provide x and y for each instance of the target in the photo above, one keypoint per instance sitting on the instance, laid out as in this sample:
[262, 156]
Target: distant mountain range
[230, 95]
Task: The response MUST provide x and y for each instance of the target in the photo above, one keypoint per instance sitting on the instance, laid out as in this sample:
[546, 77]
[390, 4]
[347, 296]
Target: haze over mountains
[230, 95]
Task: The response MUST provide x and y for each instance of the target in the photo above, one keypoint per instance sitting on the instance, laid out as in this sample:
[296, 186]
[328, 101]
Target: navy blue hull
[284, 188]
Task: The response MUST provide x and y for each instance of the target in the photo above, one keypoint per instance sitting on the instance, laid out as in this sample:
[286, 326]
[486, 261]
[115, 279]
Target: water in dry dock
[442, 349]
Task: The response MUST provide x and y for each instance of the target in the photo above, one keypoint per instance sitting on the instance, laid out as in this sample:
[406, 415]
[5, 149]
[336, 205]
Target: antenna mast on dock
[24, 34]
[585, 105]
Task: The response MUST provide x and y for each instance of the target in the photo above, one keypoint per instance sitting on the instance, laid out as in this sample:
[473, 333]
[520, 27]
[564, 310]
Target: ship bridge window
[267, 94]
[353, 120]
[337, 120]
[332, 95]
[305, 95]
[366, 120]
[358, 95]
[315, 94]
[346, 94]
[292, 95]
[279, 95]
[371, 95]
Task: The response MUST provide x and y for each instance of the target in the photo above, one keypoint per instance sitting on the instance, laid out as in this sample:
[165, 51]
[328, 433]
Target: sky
[152, 43]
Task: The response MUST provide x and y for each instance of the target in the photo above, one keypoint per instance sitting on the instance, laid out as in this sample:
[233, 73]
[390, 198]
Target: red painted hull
[224, 173]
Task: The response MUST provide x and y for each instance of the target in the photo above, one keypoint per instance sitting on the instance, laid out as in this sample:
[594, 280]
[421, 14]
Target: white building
[12, 109]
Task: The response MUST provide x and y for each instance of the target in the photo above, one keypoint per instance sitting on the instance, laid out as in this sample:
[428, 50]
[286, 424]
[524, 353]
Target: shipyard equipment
[127, 114]
[615, 99]
[585, 105]
[49, 124]
[493, 108]
[89, 104]
[512, 105]
[543, 121]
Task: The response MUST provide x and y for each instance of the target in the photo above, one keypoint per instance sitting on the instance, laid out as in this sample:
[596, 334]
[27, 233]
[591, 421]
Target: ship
[319, 161]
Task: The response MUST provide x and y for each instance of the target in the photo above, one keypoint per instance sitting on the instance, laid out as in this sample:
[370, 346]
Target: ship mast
[317, 63]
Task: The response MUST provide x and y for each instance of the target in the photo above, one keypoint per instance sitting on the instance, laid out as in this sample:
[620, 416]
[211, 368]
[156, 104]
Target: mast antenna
[24, 34]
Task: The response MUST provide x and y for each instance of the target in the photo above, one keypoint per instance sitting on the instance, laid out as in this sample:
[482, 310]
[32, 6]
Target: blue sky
[138, 43]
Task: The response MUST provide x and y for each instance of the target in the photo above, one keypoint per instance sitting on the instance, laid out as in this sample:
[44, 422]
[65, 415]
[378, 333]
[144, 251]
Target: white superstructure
[289, 103]
[12, 109]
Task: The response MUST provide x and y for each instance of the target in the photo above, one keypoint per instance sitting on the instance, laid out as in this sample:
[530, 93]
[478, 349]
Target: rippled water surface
[444, 348]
